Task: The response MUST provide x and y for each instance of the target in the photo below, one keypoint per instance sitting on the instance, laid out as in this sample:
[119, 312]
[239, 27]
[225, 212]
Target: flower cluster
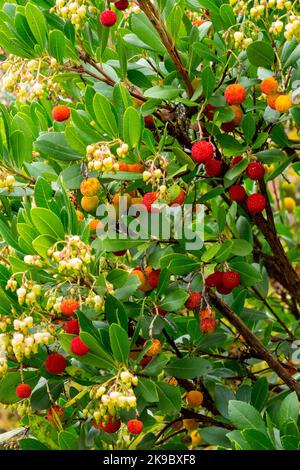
[33, 260]
[7, 181]
[23, 340]
[292, 28]
[100, 158]
[94, 301]
[28, 292]
[3, 361]
[75, 11]
[109, 400]
[73, 259]
[30, 79]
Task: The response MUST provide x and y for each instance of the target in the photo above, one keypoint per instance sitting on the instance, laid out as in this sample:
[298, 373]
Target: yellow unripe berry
[283, 103]
[290, 204]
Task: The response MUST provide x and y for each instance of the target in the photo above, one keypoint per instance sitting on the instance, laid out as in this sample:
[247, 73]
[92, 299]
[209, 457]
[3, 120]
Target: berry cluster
[73, 259]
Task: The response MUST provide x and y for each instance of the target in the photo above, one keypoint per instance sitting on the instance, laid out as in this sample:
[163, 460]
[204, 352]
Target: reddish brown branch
[254, 342]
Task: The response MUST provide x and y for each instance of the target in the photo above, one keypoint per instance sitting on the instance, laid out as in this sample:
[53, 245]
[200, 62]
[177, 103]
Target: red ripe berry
[135, 426]
[235, 94]
[235, 161]
[208, 325]
[149, 123]
[223, 290]
[213, 167]
[231, 279]
[78, 347]
[55, 364]
[256, 203]
[23, 391]
[237, 193]
[120, 253]
[203, 151]
[72, 327]
[214, 279]
[149, 199]
[255, 171]
[194, 300]
[61, 113]
[228, 126]
[108, 18]
[121, 4]
[145, 361]
[208, 111]
[153, 278]
[68, 307]
[162, 312]
[111, 426]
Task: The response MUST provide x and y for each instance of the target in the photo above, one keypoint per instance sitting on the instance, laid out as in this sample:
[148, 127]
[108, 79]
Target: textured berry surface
[153, 278]
[110, 426]
[90, 187]
[194, 398]
[55, 364]
[68, 307]
[283, 103]
[149, 199]
[72, 327]
[231, 279]
[154, 349]
[194, 300]
[213, 167]
[179, 199]
[208, 325]
[78, 347]
[108, 18]
[23, 391]
[235, 94]
[214, 279]
[269, 85]
[202, 151]
[237, 193]
[61, 113]
[255, 171]
[121, 4]
[256, 203]
[135, 426]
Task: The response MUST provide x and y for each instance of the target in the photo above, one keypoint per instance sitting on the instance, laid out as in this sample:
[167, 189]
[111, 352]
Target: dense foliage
[110, 341]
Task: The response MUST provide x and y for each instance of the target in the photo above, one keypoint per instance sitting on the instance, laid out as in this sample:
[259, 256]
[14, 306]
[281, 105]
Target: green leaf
[148, 390]
[21, 145]
[42, 243]
[259, 394]
[248, 274]
[249, 127]
[40, 399]
[143, 29]
[174, 300]
[295, 112]
[47, 223]
[162, 92]
[245, 416]
[119, 343]
[57, 45]
[43, 431]
[104, 115]
[233, 173]
[208, 81]
[227, 15]
[67, 441]
[223, 395]
[289, 409]
[132, 127]
[169, 398]
[178, 263]
[258, 440]
[261, 54]
[37, 23]
[188, 368]
[183, 158]
[55, 147]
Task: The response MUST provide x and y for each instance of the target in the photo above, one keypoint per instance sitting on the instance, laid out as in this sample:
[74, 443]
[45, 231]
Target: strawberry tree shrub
[111, 340]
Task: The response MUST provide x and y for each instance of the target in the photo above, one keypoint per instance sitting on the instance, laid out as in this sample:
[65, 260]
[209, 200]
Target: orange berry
[269, 86]
[89, 204]
[54, 414]
[271, 100]
[154, 349]
[283, 103]
[207, 312]
[68, 307]
[61, 113]
[235, 94]
[123, 166]
[90, 187]
[238, 115]
[194, 398]
[144, 284]
[135, 168]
